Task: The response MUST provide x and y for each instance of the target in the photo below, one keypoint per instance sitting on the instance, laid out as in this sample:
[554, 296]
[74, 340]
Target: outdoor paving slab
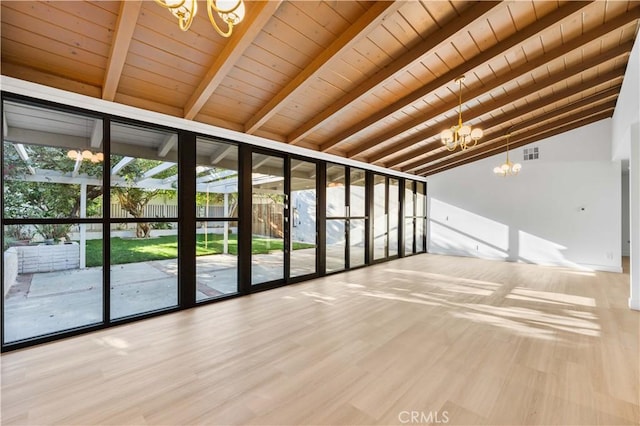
[53, 283]
[135, 272]
[62, 300]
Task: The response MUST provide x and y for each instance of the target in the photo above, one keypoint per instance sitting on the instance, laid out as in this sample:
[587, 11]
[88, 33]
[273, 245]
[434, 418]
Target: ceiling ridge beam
[498, 141]
[576, 43]
[541, 103]
[527, 140]
[425, 47]
[497, 49]
[125, 26]
[624, 49]
[231, 53]
[452, 156]
[373, 17]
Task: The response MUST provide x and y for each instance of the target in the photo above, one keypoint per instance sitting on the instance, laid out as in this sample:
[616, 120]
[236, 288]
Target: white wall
[562, 209]
[625, 134]
[627, 110]
[626, 231]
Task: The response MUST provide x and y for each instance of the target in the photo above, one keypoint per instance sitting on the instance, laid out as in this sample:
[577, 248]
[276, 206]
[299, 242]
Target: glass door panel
[267, 219]
[357, 193]
[336, 244]
[336, 225]
[143, 220]
[379, 217]
[303, 224]
[421, 220]
[216, 206]
[393, 216]
[356, 242]
[52, 266]
[409, 213]
[336, 190]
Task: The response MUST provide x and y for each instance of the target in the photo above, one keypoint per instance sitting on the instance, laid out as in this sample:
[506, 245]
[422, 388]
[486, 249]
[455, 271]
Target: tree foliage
[134, 199]
[25, 199]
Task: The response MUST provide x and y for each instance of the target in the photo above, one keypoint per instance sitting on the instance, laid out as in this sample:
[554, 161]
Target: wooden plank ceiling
[373, 81]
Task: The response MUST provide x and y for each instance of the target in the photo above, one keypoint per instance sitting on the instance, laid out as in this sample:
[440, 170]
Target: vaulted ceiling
[368, 80]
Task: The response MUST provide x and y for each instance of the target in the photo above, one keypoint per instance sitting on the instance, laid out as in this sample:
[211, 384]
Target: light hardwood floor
[486, 342]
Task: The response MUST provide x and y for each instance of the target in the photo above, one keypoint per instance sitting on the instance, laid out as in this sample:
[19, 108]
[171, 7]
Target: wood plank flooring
[483, 342]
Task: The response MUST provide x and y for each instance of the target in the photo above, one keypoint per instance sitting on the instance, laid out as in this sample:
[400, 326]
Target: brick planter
[44, 258]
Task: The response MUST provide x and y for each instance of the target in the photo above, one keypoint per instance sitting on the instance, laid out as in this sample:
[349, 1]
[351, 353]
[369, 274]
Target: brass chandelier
[78, 155]
[461, 134]
[507, 168]
[231, 12]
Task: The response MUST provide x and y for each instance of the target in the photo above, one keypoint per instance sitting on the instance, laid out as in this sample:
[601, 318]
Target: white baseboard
[542, 262]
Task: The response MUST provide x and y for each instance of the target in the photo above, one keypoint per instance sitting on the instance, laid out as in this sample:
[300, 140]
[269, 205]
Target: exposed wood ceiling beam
[424, 48]
[168, 144]
[529, 140]
[233, 50]
[126, 24]
[506, 118]
[560, 51]
[548, 130]
[526, 91]
[498, 136]
[498, 49]
[536, 121]
[359, 29]
[47, 79]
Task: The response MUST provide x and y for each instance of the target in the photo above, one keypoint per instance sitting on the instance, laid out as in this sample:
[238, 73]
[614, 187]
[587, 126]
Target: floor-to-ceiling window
[386, 208]
[144, 211]
[303, 245]
[357, 218]
[421, 217]
[346, 218]
[415, 217]
[380, 218]
[52, 172]
[60, 230]
[336, 226]
[216, 184]
[267, 216]
[409, 217]
[394, 218]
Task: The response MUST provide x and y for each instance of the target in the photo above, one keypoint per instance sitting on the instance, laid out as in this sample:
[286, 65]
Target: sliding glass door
[346, 218]
[303, 244]
[267, 218]
[415, 217]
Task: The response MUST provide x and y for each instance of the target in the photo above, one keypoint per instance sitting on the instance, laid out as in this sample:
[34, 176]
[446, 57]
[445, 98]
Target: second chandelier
[461, 134]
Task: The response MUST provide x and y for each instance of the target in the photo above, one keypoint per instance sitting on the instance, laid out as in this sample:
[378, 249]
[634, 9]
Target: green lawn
[131, 250]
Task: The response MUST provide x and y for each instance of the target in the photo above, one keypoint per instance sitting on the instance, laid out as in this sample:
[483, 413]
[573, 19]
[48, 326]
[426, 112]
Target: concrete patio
[46, 302]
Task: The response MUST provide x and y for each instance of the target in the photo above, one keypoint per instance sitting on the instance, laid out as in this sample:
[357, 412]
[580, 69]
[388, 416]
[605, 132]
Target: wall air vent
[531, 153]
